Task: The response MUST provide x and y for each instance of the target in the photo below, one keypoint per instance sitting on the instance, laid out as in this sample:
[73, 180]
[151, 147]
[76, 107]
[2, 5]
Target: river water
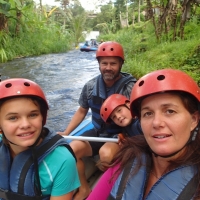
[61, 76]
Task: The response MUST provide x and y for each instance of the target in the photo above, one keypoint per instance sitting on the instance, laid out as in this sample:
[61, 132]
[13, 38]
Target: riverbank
[33, 44]
[144, 54]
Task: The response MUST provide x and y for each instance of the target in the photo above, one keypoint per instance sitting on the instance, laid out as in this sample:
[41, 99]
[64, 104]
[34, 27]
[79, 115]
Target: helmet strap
[36, 142]
[35, 160]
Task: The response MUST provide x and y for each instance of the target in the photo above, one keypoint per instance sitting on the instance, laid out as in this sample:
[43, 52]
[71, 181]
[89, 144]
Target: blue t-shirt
[87, 90]
[58, 173]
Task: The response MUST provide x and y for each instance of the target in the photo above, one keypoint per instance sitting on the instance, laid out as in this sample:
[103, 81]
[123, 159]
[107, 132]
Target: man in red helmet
[110, 56]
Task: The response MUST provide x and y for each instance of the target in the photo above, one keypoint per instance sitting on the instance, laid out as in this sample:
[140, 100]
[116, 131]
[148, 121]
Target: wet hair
[38, 102]
[134, 147]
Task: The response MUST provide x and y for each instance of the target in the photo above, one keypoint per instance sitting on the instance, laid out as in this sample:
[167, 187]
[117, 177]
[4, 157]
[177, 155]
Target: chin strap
[36, 142]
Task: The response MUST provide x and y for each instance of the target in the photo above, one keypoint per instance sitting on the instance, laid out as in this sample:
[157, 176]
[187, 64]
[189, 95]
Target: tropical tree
[5, 13]
[171, 17]
[105, 20]
[78, 25]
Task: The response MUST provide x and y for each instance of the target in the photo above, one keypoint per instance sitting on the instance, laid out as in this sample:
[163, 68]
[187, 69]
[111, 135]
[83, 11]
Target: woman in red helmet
[35, 163]
[164, 163]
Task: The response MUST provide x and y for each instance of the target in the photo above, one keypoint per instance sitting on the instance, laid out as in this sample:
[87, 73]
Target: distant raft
[88, 48]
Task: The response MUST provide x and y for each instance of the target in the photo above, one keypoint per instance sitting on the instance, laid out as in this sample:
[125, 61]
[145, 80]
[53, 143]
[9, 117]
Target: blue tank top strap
[177, 184]
[20, 175]
[5, 158]
[133, 129]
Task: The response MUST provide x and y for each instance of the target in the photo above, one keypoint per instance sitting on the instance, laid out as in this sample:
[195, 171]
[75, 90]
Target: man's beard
[110, 76]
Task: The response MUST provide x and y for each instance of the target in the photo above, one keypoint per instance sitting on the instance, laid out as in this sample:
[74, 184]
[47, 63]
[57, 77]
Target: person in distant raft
[35, 163]
[110, 56]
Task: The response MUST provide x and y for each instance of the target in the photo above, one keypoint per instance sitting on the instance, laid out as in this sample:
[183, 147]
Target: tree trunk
[3, 23]
[126, 14]
[17, 28]
[120, 18]
[133, 22]
[138, 11]
[149, 11]
[185, 16]
[41, 9]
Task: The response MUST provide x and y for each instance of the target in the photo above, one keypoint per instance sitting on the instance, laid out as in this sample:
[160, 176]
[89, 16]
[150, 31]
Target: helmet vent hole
[161, 77]
[27, 84]
[8, 85]
[103, 49]
[106, 109]
[141, 83]
[111, 49]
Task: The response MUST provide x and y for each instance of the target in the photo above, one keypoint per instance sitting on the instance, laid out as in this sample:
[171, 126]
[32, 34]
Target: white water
[61, 76]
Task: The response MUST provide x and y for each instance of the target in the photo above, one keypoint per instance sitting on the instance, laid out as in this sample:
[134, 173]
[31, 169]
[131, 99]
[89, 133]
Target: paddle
[93, 139]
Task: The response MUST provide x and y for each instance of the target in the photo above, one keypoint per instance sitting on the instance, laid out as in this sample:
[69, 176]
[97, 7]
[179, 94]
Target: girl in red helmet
[164, 163]
[35, 163]
[116, 109]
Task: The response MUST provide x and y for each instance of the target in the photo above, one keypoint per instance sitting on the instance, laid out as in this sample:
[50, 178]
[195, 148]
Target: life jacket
[19, 174]
[133, 129]
[99, 95]
[180, 183]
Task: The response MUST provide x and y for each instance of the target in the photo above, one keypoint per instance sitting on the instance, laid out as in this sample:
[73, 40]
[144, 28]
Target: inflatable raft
[92, 172]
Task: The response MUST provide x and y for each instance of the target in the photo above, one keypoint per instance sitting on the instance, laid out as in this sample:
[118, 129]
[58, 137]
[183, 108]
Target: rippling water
[61, 76]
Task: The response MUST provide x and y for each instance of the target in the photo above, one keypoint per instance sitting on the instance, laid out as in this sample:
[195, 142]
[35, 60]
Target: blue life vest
[18, 175]
[133, 129]
[180, 183]
[99, 95]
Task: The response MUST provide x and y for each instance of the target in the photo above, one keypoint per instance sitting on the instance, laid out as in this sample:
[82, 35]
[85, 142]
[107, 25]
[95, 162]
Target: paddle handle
[92, 139]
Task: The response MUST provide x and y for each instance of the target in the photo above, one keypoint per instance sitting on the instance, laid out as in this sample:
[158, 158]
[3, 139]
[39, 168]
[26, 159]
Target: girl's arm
[67, 196]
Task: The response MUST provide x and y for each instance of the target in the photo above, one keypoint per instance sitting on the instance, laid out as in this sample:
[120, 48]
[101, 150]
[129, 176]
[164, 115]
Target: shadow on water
[61, 76]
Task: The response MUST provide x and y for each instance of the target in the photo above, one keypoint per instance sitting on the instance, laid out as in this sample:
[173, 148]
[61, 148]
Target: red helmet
[22, 87]
[110, 104]
[110, 49]
[161, 81]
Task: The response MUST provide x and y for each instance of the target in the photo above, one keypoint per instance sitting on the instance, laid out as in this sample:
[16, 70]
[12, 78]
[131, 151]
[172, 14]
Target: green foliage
[143, 54]
[192, 28]
[3, 42]
[104, 21]
[77, 26]
[37, 35]
[37, 42]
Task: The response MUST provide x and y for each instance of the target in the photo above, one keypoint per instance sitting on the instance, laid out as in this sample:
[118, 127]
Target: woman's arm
[104, 186]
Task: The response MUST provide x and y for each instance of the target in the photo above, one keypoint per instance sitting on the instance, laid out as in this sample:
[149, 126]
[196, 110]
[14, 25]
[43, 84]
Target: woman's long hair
[135, 146]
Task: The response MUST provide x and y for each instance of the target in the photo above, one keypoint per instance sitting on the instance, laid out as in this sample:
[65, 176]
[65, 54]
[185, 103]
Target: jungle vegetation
[154, 33]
